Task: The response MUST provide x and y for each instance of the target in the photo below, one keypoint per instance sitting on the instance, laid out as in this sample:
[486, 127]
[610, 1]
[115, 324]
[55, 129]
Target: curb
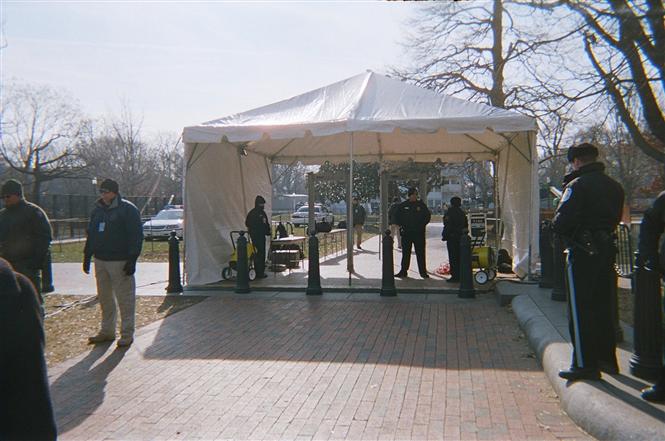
[598, 407]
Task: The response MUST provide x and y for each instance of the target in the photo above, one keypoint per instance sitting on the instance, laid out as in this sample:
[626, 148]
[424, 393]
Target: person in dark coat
[413, 217]
[26, 412]
[455, 224]
[394, 223]
[586, 219]
[259, 227]
[115, 239]
[651, 230]
[358, 215]
[25, 234]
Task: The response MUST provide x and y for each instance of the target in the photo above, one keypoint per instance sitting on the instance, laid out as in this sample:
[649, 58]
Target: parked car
[167, 220]
[321, 214]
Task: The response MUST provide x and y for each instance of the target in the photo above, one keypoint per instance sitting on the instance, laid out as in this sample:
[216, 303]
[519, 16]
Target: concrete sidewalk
[69, 279]
[607, 409]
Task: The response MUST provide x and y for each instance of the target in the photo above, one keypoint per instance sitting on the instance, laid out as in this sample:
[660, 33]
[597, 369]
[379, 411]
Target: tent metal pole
[349, 214]
[495, 180]
[531, 176]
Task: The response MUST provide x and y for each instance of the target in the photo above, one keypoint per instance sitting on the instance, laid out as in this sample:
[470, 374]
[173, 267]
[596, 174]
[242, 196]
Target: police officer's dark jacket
[359, 214]
[25, 234]
[591, 201]
[115, 231]
[454, 222]
[257, 219]
[412, 217]
[652, 227]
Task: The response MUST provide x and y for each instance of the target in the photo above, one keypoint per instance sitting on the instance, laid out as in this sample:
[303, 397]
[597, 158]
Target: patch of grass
[76, 318]
[153, 251]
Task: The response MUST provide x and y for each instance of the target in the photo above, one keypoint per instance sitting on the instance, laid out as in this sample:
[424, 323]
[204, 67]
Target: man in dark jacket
[413, 217]
[455, 224]
[259, 227]
[586, 218]
[359, 216]
[651, 230]
[26, 412]
[115, 238]
[25, 234]
[394, 223]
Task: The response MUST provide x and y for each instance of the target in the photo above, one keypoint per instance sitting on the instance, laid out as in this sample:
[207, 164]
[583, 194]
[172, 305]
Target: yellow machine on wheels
[483, 258]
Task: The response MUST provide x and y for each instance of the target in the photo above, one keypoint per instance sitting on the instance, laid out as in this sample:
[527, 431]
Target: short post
[242, 279]
[558, 271]
[466, 290]
[47, 274]
[388, 278]
[614, 305]
[313, 273]
[648, 332]
[174, 265]
[546, 255]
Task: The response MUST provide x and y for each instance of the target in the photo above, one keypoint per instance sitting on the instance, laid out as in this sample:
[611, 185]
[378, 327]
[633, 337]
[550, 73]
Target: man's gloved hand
[130, 267]
[86, 264]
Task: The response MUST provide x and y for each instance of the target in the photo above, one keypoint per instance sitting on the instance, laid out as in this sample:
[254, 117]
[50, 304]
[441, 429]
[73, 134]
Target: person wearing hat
[394, 223]
[455, 224]
[651, 231]
[114, 240]
[413, 217]
[258, 227]
[25, 234]
[587, 216]
[358, 215]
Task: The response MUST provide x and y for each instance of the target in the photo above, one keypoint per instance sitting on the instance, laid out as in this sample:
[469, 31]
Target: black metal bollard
[174, 265]
[313, 273]
[546, 255]
[466, 290]
[646, 361]
[388, 278]
[47, 275]
[558, 271]
[242, 279]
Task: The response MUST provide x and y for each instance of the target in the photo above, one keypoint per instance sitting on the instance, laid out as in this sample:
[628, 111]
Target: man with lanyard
[586, 218]
[651, 230]
[413, 217]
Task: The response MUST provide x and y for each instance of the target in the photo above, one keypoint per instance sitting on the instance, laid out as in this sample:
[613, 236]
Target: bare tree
[40, 128]
[114, 148]
[552, 145]
[169, 152]
[624, 42]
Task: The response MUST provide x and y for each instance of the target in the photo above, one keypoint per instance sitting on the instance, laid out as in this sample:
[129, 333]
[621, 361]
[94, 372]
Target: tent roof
[368, 102]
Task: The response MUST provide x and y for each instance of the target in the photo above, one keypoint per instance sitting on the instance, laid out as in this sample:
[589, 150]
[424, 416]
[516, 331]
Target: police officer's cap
[582, 150]
[12, 186]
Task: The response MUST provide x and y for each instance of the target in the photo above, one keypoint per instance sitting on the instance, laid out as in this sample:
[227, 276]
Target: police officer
[586, 218]
[25, 234]
[259, 227]
[412, 217]
[651, 229]
[455, 224]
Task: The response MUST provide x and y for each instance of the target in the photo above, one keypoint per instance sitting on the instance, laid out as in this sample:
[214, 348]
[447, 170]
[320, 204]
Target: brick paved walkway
[303, 368]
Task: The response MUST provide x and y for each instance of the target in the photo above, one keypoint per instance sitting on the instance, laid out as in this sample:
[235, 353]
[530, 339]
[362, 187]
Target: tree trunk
[497, 95]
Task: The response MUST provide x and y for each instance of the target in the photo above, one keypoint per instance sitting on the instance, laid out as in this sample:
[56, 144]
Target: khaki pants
[394, 232]
[114, 287]
[359, 234]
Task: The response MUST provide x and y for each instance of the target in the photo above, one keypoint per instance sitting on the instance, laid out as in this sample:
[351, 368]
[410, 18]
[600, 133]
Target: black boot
[575, 373]
[655, 393]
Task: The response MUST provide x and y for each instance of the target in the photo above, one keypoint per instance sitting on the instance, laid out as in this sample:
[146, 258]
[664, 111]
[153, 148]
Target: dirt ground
[70, 320]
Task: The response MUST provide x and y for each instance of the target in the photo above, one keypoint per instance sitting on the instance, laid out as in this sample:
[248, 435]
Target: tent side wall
[519, 199]
[218, 195]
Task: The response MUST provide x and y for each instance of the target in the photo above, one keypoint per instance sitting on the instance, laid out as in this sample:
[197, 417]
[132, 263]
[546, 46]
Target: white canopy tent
[366, 118]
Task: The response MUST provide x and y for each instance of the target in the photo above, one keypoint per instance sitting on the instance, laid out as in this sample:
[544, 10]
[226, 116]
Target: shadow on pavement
[83, 381]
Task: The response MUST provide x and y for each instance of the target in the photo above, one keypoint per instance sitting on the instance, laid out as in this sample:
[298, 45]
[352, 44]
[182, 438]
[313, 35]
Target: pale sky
[180, 63]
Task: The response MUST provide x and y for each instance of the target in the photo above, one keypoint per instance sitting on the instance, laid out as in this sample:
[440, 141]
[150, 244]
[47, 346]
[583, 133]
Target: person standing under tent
[259, 227]
[394, 223]
[359, 216]
[455, 224]
[413, 217]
